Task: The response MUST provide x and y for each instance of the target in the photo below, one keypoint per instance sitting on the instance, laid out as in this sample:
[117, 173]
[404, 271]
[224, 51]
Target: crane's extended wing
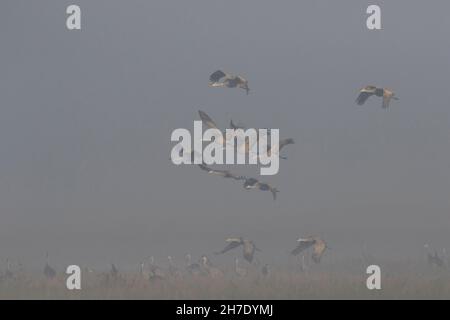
[217, 75]
[303, 244]
[364, 94]
[207, 120]
[232, 243]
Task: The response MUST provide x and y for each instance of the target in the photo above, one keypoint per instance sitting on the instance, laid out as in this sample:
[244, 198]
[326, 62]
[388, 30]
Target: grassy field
[278, 285]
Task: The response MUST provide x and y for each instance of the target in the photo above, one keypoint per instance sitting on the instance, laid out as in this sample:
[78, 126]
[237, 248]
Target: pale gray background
[86, 117]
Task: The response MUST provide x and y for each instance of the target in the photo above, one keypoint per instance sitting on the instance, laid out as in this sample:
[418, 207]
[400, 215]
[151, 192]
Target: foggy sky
[86, 118]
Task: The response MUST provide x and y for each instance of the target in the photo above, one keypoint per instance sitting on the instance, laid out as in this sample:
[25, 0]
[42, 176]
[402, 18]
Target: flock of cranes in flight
[220, 78]
[317, 247]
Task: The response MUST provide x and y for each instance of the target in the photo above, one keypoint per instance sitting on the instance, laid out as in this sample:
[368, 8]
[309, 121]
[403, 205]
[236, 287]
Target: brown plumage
[368, 91]
[248, 246]
[222, 79]
[319, 246]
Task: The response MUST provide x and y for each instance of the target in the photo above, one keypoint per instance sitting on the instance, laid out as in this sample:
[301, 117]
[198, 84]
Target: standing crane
[49, 272]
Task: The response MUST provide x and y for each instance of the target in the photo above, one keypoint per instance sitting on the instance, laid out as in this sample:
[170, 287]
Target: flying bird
[212, 125]
[368, 91]
[221, 173]
[222, 79]
[249, 183]
[248, 247]
[319, 246]
[207, 120]
[252, 183]
[246, 147]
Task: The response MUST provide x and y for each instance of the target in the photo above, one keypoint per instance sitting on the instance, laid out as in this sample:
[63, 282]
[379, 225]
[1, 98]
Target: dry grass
[279, 285]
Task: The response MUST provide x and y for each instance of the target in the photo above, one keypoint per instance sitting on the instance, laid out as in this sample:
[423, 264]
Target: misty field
[430, 284]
